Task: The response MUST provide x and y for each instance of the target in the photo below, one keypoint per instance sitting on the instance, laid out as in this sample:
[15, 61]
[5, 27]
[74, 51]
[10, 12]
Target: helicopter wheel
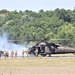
[49, 55]
[43, 55]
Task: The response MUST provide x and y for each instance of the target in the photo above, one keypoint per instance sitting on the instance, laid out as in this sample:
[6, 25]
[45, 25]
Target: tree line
[29, 25]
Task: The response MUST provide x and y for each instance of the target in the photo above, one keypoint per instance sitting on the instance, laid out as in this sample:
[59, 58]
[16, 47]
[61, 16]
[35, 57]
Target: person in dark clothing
[0, 54]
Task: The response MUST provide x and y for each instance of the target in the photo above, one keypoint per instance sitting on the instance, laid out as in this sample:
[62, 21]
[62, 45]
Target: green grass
[35, 66]
[34, 62]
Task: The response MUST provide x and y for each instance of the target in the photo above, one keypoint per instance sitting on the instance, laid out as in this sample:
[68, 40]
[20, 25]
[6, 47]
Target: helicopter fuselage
[45, 48]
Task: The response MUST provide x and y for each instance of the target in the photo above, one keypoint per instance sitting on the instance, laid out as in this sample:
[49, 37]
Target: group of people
[15, 53]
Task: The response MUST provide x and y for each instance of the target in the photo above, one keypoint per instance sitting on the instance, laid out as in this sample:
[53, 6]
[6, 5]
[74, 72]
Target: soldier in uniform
[22, 53]
[0, 54]
[36, 52]
[5, 54]
[27, 52]
[15, 53]
[12, 54]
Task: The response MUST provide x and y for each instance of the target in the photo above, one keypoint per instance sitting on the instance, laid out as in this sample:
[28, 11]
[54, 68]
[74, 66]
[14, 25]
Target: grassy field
[38, 66]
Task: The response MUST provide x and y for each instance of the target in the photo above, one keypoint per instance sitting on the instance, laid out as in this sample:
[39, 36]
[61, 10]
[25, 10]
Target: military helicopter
[44, 48]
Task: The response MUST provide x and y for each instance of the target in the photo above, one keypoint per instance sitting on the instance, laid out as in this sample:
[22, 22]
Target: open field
[55, 65]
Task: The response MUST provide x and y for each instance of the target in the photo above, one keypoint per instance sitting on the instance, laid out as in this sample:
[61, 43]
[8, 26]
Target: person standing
[5, 54]
[0, 54]
[22, 53]
[36, 52]
[27, 52]
[15, 53]
[12, 54]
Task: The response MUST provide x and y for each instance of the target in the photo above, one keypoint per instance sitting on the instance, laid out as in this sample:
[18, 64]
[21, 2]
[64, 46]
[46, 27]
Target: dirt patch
[37, 70]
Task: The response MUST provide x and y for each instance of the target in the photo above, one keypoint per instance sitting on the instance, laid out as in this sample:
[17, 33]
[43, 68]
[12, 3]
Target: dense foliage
[29, 25]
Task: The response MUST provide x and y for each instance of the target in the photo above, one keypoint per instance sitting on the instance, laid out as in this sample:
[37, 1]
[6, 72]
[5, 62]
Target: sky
[36, 5]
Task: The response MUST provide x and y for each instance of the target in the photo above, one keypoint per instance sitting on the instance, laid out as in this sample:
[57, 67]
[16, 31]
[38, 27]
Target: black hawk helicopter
[45, 48]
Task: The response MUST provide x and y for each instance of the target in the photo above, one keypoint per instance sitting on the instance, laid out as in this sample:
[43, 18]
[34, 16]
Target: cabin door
[42, 49]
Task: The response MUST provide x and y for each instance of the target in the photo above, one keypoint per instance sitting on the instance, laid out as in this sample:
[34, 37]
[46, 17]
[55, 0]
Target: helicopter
[45, 48]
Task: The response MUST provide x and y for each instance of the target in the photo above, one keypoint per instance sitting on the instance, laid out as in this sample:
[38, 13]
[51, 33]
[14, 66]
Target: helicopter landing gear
[49, 55]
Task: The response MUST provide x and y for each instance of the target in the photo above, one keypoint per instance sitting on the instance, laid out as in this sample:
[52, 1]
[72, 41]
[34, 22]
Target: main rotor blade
[59, 39]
